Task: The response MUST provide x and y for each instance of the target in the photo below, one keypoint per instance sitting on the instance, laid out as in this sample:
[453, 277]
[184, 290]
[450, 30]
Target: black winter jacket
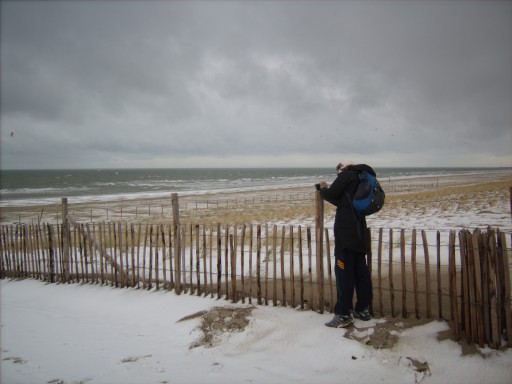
[350, 229]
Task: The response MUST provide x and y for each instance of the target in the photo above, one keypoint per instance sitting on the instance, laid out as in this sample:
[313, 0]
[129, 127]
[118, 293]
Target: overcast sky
[101, 84]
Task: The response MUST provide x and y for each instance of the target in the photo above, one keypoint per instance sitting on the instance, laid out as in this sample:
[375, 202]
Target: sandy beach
[475, 200]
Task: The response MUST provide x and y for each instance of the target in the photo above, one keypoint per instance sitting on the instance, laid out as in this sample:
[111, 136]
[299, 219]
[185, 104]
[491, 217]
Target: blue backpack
[369, 196]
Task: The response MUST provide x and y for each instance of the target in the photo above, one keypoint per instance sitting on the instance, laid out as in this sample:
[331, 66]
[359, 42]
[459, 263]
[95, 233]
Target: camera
[317, 186]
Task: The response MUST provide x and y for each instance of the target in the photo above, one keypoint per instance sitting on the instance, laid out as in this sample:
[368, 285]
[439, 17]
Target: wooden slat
[177, 242]
[332, 299]
[310, 270]
[453, 286]
[292, 267]
[86, 253]
[379, 273]
[258, 263]
[301, 268]
[164, 249]
[427, 274]
[404, 283]
[226, 262]
[232, 250]
[40, 251]
[219, 263]
[479, 313]
[391, 285]
[3, 254]
[91, 253]
[120, 244]
[132, 253]
[319, 226]
[274, 253]
[16, 265]
[6, 254]
[493, 291]
[267, 263]
[415, 274]
[156, 258]
[465, 314]
[183, 244]
[203, 255]
[471, 287]
[30, 234]
[250, 262]
[126, 253]
[506, 283]
[484, 251]
[150, 267]
[210, 257]
[138, 256]
[283, 278]
[51, 254]
[242, 260]
[369, 264]
[191, 261]
[198, 259]
[439, 289]
[111, 249]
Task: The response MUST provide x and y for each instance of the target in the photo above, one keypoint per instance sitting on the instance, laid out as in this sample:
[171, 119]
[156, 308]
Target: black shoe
[340, 321]
[362, 315]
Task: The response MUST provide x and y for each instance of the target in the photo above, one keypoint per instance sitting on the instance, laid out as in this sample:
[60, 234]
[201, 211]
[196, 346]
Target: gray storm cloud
[109, 84]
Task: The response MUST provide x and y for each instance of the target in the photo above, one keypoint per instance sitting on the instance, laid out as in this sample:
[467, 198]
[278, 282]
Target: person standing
[350, 247]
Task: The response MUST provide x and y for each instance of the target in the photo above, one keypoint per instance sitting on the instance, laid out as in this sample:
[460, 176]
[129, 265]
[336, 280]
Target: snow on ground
[55, 333]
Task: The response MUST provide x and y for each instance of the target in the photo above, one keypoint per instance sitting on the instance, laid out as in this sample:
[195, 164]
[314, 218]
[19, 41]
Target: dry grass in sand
[442, 199]
[257, 213]
[465, 198]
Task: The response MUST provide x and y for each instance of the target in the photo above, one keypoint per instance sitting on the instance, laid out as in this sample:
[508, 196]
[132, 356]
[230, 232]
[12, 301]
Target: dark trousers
[351, 272]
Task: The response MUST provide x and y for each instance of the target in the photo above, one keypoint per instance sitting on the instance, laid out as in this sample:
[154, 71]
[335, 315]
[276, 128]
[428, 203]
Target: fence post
[479, 309]
[506, 283]
[439, 289]
[258, 263]
[391, 284]
[404, 283]
[510, 202]
[233, 246]
[51, 253]
[319, 224]
[332, 298]
[65, 239]
[453, 286]
[177, 241]
[427, 273]
[510, 190]
[379, 272]
[415, 274]
[369, 257]
[494, 291]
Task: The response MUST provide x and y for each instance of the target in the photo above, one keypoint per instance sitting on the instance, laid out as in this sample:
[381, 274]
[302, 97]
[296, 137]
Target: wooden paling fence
[276, 265]
[485, 310]
[462, 277]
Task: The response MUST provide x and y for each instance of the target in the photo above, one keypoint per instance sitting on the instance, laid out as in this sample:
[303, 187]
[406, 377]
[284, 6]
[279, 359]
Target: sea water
[28, 187]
